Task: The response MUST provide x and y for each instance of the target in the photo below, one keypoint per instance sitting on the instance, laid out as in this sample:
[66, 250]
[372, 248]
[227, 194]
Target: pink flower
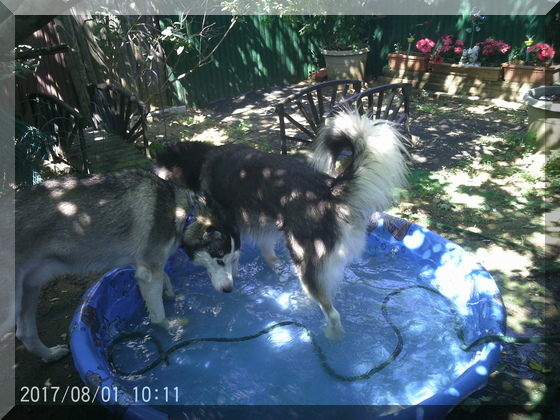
[543, 51]
[447, 40]
[502, 47]
[425, 45]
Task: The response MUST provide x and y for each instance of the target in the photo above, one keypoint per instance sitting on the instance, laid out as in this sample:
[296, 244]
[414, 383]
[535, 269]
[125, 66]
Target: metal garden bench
[388, 102]
[302, 113]
[119, 119]
[63, 127]
[119, 112]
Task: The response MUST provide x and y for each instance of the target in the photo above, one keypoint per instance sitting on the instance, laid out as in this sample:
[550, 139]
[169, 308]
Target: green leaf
[501, 367]
[533, 364]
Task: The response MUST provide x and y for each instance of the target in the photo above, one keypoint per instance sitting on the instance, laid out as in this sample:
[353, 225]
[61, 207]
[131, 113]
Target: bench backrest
[302, 114]
[119, 112]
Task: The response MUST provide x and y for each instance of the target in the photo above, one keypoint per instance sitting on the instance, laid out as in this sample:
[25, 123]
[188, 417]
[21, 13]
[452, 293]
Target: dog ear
[211, 235]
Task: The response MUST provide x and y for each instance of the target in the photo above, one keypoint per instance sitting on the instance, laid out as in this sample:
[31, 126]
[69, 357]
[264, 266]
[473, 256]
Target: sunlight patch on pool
[280, 337]
[284, 300]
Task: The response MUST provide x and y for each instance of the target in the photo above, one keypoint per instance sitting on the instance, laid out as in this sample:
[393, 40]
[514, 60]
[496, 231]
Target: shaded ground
[474, 182]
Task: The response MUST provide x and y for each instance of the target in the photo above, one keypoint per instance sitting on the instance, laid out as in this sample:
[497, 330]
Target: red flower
[437, 59]
[425, 45]
[450, 50]
[491, 47]
[543, 51]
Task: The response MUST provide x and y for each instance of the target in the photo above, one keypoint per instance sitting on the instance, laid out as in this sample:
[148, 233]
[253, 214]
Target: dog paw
[56, 353]
[274, 264]
[334, 333]
[270, 257]
[169, 296]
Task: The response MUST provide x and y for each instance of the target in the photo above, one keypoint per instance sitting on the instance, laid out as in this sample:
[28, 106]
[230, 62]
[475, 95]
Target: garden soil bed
[468, 184]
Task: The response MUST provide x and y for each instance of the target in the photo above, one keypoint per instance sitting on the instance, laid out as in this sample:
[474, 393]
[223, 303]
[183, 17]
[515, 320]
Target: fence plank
[75, 63]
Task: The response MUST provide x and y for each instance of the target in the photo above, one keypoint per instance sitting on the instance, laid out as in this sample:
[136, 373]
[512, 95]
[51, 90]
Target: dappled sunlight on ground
[217, 136]
[496, 258]
[478, 109]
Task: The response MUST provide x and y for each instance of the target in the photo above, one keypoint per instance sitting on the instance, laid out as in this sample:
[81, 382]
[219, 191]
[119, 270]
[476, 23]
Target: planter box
[481, 73]
[544, 76]
[409, 62]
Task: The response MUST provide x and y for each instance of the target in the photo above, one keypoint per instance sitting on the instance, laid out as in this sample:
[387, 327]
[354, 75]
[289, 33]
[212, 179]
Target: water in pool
[282, 367]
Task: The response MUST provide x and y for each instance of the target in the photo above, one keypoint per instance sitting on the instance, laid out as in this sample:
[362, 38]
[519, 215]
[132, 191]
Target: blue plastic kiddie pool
[407, 308]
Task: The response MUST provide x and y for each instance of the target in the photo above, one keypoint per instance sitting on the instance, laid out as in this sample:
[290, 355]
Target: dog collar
[190, 219]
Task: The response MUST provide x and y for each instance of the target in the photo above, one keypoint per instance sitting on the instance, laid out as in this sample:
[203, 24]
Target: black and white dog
[323, 218]
[80, 224]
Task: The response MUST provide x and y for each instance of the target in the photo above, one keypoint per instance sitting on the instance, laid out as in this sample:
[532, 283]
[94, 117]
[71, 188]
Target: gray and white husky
[323, 218]
[91, 223]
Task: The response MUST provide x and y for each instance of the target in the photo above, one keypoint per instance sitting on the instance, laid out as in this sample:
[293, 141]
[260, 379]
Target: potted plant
[411, 60]
[450, 51]
[343, 47]
[417, 60]
[493, 53]
[532, 64]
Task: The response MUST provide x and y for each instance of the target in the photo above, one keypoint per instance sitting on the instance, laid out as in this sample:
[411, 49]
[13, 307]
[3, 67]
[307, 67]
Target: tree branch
[37, 52]
[205, 60]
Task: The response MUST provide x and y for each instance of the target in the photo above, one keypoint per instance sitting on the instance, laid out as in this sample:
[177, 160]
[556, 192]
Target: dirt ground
[451, 135]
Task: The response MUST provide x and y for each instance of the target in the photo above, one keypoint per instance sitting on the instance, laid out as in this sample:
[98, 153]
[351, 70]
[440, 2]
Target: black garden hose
[164, 354]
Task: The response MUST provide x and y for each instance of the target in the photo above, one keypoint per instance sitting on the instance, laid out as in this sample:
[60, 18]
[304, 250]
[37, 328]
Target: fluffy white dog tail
[377, 169]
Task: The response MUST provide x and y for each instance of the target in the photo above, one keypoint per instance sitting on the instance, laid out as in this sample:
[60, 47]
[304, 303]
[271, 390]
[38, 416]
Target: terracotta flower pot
[409, 62]
[544, 76]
